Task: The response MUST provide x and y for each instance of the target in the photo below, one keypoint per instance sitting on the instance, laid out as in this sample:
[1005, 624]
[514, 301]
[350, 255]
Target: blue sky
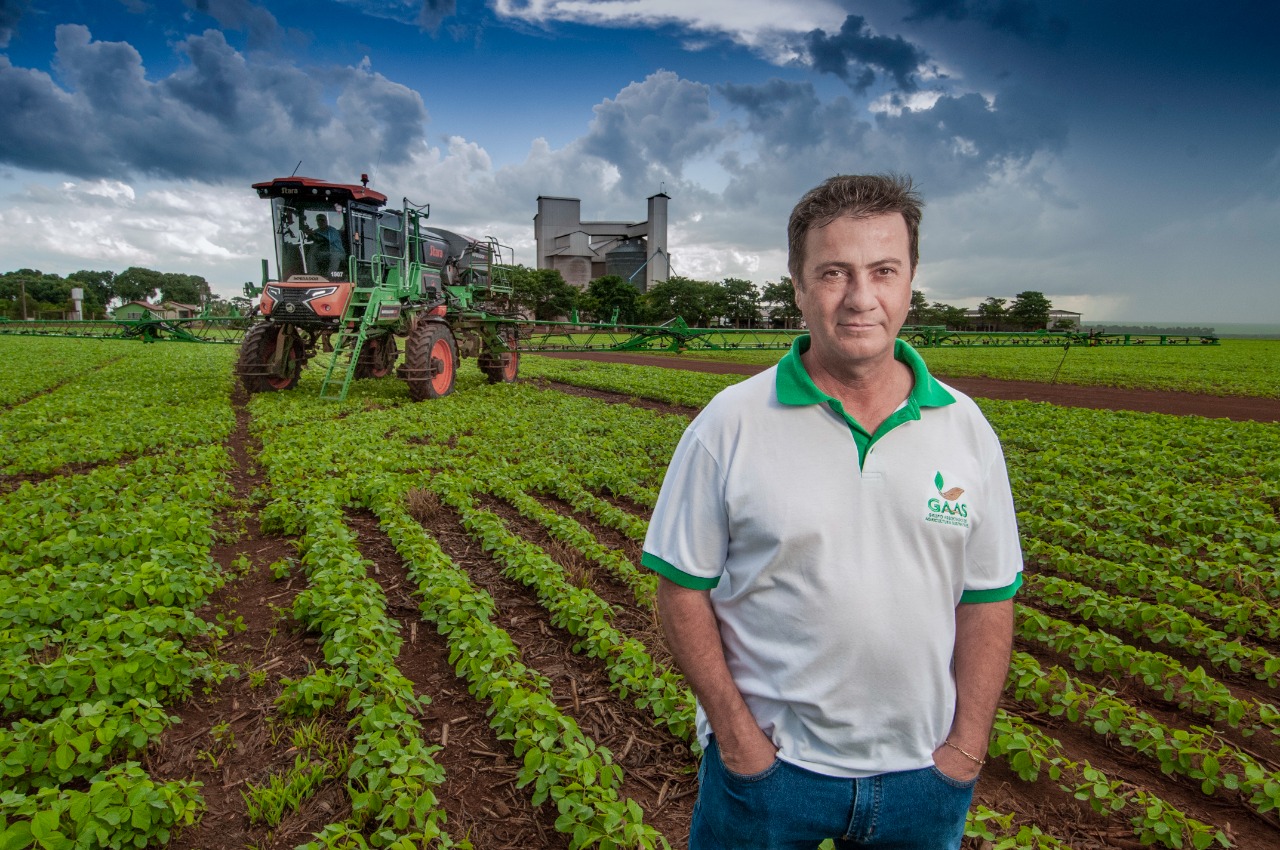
[1123, 158]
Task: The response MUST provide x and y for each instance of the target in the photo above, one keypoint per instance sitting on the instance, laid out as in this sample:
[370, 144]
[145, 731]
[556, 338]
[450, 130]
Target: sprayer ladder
[361, 313]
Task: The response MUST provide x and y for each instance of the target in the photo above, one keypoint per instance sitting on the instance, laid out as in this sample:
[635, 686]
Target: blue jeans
[790, 808]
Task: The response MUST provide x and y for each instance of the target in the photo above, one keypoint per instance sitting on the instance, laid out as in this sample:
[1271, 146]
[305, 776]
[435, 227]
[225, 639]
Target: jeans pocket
[747, 777]
[961, 784]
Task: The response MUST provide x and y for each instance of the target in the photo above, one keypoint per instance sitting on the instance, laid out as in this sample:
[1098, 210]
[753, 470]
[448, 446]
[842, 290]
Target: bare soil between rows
[480, 793]
[1066, 395]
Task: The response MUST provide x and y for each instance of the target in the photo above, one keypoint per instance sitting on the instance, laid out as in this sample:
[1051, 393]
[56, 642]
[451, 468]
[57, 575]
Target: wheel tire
[430, 361]
[502, 367]
[377, 357]
[257, 353]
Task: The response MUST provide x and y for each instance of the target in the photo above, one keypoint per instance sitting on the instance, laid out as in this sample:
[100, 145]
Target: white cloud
[757, 24]
[217, 232]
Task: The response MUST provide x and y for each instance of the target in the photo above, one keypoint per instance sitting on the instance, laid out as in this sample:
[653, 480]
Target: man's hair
[855, 196]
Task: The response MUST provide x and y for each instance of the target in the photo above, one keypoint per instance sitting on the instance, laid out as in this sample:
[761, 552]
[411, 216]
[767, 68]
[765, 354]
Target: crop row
[1189, 688]
[1157, 623]
[1030, 752]
[1242, 616]
[1198, 755]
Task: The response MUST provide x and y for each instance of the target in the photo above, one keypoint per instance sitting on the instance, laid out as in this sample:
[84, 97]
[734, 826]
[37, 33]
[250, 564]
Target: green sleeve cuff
[676, 574]
[995, 594]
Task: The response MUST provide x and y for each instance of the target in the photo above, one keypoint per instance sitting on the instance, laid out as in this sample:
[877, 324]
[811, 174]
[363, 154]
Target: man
[838, 553]
[329, 251]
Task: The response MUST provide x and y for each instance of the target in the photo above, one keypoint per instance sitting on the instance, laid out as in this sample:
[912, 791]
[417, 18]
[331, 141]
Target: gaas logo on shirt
[947, 509]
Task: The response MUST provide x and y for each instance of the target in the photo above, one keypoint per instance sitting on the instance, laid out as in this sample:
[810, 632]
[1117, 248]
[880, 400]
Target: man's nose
[859, 293]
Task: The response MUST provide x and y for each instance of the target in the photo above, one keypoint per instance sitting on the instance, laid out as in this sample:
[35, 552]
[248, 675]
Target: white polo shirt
[836, 558]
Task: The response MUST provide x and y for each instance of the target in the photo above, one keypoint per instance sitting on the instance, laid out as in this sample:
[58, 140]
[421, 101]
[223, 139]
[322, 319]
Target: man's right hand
[748, 755]
[693, 636]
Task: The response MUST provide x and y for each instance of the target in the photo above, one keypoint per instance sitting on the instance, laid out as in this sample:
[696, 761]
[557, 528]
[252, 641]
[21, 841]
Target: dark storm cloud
[954, 146]
[257, 23]
[218, 117]
[1023, 18]
[653, 128]
[855, 55]
[789, 120]
[10, 13]
[434, 12]
[962, 140]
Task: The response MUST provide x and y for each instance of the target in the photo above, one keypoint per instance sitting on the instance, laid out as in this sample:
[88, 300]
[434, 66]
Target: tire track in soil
[479, 793]
[658, 769]
[271, 643]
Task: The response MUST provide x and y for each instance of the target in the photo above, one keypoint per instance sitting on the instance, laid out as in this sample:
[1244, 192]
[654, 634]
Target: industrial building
[584, 250]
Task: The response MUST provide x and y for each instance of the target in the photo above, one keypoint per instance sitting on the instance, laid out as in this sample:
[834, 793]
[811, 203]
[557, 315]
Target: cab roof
[309, 188]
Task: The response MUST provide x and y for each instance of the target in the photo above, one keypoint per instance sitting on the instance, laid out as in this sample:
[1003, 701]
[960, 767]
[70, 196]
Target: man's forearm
[984, 642]
[693, 636]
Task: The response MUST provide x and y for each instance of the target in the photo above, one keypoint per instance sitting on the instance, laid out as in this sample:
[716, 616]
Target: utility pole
[23, 284]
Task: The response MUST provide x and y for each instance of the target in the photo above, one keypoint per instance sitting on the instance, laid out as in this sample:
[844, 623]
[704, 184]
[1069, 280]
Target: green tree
[918, 314]
[609, 294]
[780, 296]
[138, 284]
[950, 316]
[184, 288]
[543, 292]
[32, 294]
[1030, 310]
[993, 312]
[695, 301]
[741, 301]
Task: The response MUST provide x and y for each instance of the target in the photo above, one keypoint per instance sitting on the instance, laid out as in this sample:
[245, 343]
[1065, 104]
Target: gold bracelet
[979, 762]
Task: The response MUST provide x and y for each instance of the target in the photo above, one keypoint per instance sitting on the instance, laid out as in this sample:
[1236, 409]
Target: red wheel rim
[281, 382]
[441, 366]
[512, 366]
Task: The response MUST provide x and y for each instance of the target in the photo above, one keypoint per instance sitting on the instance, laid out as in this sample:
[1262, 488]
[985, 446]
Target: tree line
[545, 295]
[33, 294]
[542, 293]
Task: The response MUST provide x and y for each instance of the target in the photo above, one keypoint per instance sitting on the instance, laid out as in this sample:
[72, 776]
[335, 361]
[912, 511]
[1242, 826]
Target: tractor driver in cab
[327, 251]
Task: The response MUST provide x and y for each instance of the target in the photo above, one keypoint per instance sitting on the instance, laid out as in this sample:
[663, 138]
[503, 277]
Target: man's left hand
[954, 764]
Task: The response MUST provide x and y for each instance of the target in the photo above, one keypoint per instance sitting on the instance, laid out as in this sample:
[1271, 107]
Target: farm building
[584, 250]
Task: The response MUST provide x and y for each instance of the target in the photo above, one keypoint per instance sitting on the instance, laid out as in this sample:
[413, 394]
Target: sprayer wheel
[430, 361]
[269, 359]
[377, 357]
[502, 367]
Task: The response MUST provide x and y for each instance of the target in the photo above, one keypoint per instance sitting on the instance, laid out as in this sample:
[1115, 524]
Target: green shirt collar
[795, 387]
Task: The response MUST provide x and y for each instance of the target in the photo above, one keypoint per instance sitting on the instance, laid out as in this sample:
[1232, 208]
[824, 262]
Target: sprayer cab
[321, 232]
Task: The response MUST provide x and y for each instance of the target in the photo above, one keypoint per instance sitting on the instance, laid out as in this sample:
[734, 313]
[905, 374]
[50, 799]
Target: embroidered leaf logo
[937, 481]
[953, 494]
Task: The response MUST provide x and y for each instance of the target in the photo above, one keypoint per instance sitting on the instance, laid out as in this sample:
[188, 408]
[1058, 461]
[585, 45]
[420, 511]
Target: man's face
[856, 289]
